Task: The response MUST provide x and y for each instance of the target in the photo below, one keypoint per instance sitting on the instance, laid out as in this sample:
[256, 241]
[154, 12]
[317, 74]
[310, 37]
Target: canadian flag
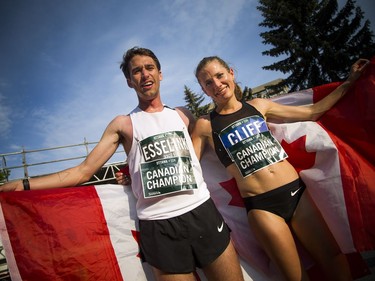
[91, 233]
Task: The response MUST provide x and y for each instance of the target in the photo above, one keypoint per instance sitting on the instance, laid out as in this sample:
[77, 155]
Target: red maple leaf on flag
[136, 236]
[298, 156]
[231, 187]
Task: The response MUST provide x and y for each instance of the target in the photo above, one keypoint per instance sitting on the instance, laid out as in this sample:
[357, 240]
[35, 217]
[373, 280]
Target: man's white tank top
[160, 155]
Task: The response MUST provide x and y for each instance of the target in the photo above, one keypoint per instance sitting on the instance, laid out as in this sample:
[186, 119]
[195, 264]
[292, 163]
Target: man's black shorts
[180, 244]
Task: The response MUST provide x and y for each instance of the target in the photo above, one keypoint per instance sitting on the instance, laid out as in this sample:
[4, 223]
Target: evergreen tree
[4, 174]
[247, 94]
[194, 101]
[317, 43]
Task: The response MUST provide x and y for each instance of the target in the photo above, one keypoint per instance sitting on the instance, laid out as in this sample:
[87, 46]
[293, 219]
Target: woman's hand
[357, 69]
[123, 176]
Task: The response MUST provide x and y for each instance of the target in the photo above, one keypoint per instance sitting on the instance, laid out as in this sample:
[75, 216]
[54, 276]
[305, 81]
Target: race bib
[167, 167]
[250, 145]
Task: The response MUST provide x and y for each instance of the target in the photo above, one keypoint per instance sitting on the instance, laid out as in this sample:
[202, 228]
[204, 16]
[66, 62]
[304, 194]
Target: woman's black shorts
[281, 201]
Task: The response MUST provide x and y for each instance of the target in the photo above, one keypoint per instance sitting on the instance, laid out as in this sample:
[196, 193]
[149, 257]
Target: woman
[273, 193]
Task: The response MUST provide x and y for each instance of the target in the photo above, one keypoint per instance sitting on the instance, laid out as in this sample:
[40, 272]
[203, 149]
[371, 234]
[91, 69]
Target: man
[180, 227]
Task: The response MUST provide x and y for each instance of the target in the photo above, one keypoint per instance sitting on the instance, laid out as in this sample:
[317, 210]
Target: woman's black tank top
[220, 122]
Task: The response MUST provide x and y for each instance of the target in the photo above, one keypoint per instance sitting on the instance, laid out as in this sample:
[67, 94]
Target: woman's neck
[230, 106]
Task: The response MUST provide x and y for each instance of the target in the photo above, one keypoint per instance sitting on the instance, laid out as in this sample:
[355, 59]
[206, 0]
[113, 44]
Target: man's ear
[129, 82]
[160, 75]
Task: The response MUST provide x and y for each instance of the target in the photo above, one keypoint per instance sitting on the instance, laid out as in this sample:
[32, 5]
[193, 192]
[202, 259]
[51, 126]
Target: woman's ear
[231, 72]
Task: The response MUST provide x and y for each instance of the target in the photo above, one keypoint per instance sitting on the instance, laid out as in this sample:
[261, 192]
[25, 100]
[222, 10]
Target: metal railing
[22, 160]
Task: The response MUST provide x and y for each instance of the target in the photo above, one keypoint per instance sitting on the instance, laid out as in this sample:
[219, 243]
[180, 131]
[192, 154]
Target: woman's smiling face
[216, 81]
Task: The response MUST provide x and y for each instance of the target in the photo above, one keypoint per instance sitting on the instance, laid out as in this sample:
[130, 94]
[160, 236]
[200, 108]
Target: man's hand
[12, 186]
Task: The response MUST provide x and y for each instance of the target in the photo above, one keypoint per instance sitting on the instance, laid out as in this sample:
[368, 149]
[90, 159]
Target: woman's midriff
[264, 180]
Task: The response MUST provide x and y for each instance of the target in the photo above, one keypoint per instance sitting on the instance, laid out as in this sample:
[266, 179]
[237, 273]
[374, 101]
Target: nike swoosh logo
[220, 229]
[292, 193]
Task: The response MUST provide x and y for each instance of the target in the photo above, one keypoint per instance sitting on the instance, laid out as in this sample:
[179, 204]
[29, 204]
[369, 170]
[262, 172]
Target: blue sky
[60, 80]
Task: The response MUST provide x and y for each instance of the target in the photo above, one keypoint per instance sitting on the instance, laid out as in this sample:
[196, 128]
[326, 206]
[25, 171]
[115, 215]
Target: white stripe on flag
[118, 204]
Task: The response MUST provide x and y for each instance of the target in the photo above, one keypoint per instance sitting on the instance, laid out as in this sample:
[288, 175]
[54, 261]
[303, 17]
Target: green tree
[194, 101]
[4, 174]
[247, 94]
[317, 43]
